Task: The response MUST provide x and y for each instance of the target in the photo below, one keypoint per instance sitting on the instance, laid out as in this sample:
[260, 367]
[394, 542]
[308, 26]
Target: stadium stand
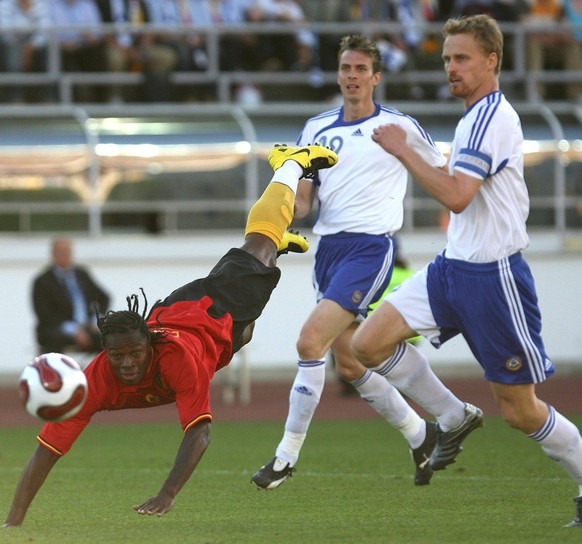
[181, 165]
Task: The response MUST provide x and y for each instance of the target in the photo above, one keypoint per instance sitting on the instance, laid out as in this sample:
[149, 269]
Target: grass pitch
[353, 485]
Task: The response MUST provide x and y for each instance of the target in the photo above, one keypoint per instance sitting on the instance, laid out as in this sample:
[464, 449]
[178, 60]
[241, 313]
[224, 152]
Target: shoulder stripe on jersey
[484, 117]
[422, 131]
[534, 358]
[200, 418]
[48, 446]
[328, 114]
[325, 114]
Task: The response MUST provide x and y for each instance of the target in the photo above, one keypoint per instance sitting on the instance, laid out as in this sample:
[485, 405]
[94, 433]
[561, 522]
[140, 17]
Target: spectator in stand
[234, 49]
[396, 49]
[280, 51]
[64, 297]
[81, 50]
[573, 11]
[510, 11]
[24, 51]
[573, 14]
[551, 49]
[326, 12]
[502, 10]
[143, 51]
[186, 46]
[127, 51]
[428, 53]
[237, 51]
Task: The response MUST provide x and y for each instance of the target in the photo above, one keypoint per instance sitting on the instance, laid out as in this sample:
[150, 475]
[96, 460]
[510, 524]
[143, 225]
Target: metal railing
[224, 82]
[233, 137]
[89, 168]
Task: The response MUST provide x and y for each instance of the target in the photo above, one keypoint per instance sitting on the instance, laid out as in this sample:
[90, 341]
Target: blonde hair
[484, 28]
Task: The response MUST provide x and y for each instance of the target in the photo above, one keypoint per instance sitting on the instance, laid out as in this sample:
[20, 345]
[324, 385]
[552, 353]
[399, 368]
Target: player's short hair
[361, 44]
[487, 33]
[125, 321]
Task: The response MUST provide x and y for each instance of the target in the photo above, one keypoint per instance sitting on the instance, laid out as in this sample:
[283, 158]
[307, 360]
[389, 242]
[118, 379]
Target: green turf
[353, 485]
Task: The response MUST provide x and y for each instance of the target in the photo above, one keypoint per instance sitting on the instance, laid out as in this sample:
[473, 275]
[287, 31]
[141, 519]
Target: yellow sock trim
[272, 213]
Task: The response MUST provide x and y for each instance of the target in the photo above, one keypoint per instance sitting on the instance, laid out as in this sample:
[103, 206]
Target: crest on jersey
[357, 297]
[513, 364]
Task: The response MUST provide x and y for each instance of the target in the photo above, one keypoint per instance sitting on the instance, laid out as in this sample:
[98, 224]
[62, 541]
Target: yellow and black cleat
[311, 158]
[292, 242]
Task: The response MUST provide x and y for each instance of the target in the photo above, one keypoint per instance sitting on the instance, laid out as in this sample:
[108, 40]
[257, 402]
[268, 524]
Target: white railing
[107, 149]
[224, 82]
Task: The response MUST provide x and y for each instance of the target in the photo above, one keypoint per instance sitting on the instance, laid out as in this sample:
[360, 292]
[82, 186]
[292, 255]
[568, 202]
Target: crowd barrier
[203, 166]
[516, 74]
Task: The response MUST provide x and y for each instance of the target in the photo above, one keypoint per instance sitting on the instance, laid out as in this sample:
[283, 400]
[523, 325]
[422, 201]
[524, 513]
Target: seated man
[66, 299]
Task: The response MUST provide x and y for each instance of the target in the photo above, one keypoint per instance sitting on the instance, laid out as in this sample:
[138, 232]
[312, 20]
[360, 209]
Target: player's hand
[392, 138]
[158, 505]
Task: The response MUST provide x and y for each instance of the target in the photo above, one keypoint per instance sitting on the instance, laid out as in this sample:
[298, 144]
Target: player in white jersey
[360, 208]
[480, 286]
[365, 195]
[488, 141]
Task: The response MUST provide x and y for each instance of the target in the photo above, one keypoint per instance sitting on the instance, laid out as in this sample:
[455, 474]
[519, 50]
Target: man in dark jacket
[64, 297]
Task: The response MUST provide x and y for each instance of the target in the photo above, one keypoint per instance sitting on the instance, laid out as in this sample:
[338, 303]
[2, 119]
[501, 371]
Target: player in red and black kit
[172, 355]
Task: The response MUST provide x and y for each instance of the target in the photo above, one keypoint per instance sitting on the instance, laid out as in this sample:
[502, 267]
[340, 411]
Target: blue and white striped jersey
[488, 145]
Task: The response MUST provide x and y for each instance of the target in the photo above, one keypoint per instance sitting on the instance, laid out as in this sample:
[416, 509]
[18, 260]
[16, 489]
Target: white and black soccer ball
[53, 387]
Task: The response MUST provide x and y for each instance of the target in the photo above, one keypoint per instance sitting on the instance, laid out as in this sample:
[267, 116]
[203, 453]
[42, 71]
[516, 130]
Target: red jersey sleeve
[59, 437]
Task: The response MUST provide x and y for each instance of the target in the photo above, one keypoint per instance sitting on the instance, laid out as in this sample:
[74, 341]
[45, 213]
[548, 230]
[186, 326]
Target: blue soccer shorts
[493, 305]
[353, 269]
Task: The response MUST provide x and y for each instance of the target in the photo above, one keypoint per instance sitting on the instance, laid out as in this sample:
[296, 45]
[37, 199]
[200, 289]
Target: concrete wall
[125, 263]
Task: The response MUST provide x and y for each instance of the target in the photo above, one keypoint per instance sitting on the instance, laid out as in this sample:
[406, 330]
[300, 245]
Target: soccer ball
[53, 387]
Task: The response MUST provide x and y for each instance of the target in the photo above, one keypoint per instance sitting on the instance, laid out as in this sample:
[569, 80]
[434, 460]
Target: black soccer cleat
[448, 444]
[273, 474]
[421, 455]
[577, 521]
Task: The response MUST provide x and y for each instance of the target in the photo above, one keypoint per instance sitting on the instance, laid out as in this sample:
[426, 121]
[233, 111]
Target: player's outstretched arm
[31, 480]
[192, 448]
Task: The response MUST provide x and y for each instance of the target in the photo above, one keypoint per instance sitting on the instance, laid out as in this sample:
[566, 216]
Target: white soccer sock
[389, 403]
[561, 441]
[289, 174]
[408, 370]
[303, 400]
